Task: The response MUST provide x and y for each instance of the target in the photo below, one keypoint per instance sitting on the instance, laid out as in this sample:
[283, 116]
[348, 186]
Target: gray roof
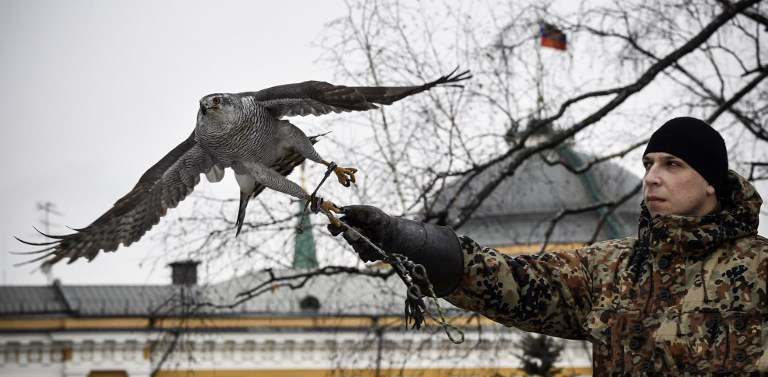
[336, 294]
[518, 211]
[84, 300]
[30, 299]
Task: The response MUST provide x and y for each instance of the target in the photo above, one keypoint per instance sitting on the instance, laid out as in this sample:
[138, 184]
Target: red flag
[552, 37]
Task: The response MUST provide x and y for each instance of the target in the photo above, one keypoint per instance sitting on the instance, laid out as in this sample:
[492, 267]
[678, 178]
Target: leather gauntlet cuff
[435, 247]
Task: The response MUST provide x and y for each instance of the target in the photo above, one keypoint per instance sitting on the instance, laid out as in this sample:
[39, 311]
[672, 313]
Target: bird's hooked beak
[209, 103]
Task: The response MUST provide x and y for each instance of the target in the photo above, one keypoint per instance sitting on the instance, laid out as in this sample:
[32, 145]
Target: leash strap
[318, 202]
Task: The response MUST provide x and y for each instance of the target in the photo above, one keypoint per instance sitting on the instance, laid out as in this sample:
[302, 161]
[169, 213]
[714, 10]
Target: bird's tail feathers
[244, 198]
[315, 138]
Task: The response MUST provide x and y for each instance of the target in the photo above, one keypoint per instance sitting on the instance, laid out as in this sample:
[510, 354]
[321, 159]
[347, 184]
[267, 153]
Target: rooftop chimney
[184, 272]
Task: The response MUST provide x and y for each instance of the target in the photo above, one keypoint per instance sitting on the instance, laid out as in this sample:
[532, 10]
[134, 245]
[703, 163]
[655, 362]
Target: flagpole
[539, 74]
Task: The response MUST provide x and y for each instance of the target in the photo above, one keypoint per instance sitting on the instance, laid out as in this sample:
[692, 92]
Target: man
[687, 295]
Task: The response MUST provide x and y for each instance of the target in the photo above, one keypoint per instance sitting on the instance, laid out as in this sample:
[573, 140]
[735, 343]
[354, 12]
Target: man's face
[672, 187]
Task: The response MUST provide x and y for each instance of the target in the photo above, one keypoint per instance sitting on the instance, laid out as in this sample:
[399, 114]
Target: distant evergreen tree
[539, 354]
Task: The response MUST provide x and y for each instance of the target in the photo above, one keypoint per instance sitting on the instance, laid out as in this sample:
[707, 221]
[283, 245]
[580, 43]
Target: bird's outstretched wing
[318, 98]
[162, 187]
[284, 165]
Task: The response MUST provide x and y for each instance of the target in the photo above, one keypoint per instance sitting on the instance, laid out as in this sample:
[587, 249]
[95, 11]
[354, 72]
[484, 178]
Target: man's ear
[710, 190]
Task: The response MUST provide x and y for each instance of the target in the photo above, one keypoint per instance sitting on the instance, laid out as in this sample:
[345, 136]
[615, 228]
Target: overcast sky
[95, 92]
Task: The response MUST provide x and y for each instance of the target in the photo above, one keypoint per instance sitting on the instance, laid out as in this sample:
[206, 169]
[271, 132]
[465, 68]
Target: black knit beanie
[696, 143]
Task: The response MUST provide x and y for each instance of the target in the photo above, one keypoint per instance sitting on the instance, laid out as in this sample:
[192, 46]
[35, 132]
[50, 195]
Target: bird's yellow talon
[346, 176]
[328, 206]
[329, 209]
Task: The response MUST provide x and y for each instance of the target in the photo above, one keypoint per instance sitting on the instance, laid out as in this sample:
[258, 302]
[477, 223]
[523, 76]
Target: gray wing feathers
[386, 95]
[310, 97]
[318, 98]
[286, 107]
[162, 187]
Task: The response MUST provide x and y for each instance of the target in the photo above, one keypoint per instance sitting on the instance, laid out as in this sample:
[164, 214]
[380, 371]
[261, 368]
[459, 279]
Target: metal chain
[421, 273]
[394, 260]
[399, 263]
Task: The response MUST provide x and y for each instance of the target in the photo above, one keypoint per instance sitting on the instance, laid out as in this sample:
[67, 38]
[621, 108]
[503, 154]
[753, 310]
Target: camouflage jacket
[687, 296]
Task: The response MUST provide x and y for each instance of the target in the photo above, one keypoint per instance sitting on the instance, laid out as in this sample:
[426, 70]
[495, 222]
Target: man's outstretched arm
[548, 293]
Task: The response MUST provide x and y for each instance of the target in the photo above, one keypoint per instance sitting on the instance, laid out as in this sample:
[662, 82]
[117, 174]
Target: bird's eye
[216, 100]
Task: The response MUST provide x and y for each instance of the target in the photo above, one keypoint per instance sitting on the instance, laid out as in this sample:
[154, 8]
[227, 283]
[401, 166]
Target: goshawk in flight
[242, 131]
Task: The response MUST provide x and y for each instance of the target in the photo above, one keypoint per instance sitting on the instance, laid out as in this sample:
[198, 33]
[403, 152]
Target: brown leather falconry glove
[435, 247]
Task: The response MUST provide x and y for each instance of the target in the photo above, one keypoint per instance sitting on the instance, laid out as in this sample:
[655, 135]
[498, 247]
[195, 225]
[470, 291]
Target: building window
[309, 304]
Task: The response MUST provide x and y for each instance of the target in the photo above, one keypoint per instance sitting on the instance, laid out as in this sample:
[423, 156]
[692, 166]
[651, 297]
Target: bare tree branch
[610, 205]
[621, 96]
[584, 168]
[295, 281]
